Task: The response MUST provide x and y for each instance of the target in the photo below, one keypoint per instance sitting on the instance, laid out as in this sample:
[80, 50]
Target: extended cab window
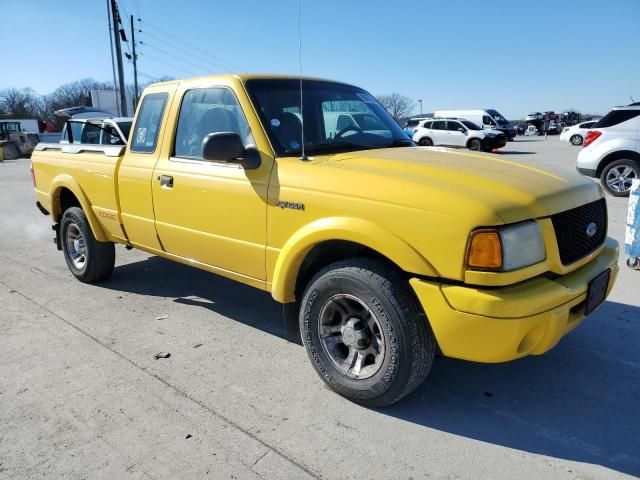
[145, 133]
[204, 111]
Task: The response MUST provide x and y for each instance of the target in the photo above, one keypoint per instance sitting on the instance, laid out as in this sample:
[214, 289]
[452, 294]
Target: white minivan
[490, 118]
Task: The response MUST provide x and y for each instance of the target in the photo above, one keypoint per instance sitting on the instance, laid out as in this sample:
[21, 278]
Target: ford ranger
[382, 252]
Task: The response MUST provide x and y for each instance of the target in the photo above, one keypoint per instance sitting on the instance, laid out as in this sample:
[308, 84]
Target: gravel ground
[82, 396]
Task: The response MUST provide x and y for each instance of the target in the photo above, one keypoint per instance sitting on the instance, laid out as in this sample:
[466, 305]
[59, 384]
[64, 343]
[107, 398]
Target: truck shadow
[579, 402]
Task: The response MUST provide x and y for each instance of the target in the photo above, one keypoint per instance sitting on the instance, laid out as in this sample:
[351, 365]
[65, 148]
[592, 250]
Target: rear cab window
[147, 127]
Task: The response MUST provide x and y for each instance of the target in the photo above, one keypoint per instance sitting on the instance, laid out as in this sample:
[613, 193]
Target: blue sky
[515, 56]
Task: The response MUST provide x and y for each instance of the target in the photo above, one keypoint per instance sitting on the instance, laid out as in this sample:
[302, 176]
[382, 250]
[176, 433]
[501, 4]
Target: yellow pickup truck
[382, 252]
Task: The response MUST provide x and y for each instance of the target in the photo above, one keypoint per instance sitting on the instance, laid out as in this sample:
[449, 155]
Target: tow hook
[57, 240]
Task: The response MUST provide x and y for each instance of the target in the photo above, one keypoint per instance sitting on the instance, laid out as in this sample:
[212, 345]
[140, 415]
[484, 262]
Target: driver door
[213, 213]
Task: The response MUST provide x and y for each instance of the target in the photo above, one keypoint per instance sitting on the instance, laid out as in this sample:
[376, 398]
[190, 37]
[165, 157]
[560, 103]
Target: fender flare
[354, 230]
[65, 180]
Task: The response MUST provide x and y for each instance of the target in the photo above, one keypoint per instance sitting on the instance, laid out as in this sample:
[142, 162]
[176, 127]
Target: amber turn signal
[484, 250]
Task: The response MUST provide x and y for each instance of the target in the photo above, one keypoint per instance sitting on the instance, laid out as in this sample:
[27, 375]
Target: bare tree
[19, 103]
[398, 106]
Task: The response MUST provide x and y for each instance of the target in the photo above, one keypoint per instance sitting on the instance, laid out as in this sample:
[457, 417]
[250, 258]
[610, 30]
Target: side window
[427, 124]
[453, 126]
[487, 120]
[76, 131]
[439, 125]
[145, 133]
[204, 111]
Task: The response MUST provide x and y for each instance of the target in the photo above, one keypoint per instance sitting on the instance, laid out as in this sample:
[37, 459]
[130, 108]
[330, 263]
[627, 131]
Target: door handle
[166, 181]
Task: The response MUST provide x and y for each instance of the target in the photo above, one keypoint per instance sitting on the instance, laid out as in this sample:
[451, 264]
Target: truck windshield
[337, 117]
[497, 117]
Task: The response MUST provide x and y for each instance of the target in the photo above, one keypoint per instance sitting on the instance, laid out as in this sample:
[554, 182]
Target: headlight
[506, 248]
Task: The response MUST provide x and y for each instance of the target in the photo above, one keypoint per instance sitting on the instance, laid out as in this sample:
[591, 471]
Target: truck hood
[514, 191]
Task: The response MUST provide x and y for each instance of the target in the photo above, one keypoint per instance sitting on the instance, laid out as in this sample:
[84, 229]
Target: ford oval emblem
[592, 229]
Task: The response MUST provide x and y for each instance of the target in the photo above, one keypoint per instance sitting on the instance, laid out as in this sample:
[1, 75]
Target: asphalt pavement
[82, 395]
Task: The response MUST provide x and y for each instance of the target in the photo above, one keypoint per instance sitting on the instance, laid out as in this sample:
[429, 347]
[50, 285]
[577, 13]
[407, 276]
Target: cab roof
[244, 77]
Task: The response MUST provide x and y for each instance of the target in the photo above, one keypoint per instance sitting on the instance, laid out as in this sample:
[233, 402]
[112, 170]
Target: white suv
[611, 150]
[458, 133]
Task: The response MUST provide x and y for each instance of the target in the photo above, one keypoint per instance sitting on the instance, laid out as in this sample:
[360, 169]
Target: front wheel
[11, 152]
[425, 142]
[475, 145]
[365, 333]
[89, 260]
[618, 176]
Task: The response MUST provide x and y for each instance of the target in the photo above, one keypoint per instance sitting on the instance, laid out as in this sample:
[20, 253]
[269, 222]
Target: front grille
[571, 230]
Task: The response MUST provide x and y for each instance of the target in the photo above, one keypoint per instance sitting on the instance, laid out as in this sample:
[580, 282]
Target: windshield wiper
[400, 142]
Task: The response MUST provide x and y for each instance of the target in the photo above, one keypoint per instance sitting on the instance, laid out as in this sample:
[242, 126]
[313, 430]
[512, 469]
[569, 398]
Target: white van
[490, 118]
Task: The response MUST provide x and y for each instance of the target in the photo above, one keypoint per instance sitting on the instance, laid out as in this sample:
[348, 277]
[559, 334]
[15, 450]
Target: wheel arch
[66, 192]
[618, 155]
[427, 137]
[329, 240]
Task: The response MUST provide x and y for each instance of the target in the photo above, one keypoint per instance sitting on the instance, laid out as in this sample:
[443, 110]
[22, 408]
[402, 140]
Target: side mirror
[228, 147]
[461, 130]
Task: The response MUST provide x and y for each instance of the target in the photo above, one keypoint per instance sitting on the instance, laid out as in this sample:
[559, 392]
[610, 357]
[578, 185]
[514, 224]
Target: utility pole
[116, 34]
[113, 68]
[420, 102]
[135, 66]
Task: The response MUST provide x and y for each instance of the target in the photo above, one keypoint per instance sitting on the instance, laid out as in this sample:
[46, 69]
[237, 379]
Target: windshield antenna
[303, 155]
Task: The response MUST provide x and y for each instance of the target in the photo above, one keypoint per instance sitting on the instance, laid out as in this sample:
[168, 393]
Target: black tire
[99, 257]
[616, 166]
[475, 145]
[576, 140]
[11, 152]
[425, 142]
[409, 344]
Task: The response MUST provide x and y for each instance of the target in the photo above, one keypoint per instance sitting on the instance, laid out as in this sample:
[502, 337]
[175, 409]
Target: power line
[146, 75]
[218, 59]
[184, 52]
[190, 73]
[199, 67]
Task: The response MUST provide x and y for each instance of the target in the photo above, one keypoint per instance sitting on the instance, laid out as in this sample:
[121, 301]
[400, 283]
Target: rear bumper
[502, 324]
[589, 172]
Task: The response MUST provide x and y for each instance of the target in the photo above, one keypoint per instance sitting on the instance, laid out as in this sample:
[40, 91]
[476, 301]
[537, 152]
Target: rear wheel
[618, 176]
[88, 259]
[425, 142]
[11, 152]
[365, 333]
[576, 140]
[475, 145]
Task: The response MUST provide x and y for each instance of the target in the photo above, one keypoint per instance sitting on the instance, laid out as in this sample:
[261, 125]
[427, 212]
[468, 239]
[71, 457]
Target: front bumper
[500, 324]
[490, 143]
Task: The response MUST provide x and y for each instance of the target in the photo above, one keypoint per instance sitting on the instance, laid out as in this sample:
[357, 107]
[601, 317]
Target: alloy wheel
[620, 178]
[351, 336]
